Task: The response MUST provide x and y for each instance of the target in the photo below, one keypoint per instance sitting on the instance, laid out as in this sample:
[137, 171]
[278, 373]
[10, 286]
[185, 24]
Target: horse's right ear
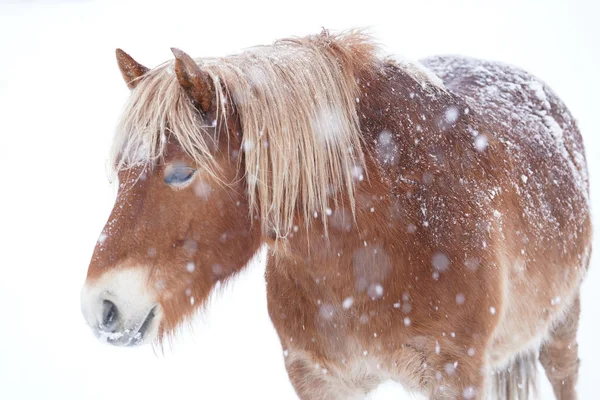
[131, 70]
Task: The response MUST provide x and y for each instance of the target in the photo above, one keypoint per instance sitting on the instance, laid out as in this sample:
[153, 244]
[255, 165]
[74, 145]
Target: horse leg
[559, 355]
[313, 381]
[441, 371]
[465, 381]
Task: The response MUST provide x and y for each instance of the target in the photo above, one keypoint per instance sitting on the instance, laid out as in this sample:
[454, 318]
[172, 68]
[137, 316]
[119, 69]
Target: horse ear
[131, 70]
[197, 83]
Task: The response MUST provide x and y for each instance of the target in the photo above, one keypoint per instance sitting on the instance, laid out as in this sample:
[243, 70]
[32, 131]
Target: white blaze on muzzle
[121, 308]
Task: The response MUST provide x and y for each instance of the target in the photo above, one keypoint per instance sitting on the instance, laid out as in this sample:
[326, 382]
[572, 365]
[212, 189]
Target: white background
[60, 96]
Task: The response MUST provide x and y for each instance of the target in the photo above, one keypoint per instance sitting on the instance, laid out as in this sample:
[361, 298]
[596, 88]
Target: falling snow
[357, 173]
[469, 393]
[202, 189]
[451, 114]
[348, 301]
[102, 238]
[386, 149]
[481, 143]
[390, 155]
[440, 262]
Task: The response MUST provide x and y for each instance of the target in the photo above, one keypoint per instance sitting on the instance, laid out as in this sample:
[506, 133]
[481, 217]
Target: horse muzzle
[120, 309]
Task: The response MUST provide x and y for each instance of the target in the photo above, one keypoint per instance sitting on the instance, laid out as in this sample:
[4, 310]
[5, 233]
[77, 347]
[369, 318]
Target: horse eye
[179, 175]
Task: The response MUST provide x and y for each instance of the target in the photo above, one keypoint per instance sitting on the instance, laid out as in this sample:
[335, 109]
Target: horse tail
[517, 381]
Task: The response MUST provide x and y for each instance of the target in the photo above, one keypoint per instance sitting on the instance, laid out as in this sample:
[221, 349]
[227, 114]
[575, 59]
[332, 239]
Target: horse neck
[392, 100]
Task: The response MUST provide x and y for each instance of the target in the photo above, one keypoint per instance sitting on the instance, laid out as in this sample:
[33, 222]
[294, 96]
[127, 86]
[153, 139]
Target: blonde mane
[296, 101]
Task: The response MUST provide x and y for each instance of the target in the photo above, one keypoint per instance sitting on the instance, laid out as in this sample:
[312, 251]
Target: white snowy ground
[60, 94]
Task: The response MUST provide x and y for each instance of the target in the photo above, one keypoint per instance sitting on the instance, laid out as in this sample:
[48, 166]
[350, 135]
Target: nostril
[110, 315]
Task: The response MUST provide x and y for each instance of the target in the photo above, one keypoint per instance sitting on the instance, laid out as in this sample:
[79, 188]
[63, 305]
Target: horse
[426, 222]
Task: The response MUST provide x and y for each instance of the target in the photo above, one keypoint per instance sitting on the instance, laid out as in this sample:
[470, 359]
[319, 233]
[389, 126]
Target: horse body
[459, 241]
[548, 206]
[459, 252]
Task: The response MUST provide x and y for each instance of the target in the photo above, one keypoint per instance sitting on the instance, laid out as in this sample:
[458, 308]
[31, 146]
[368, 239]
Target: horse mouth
[141, 333]
[129, 337]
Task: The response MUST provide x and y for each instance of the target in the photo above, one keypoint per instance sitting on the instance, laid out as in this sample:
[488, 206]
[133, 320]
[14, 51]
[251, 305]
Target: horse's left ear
[131, 70]
[197, 83]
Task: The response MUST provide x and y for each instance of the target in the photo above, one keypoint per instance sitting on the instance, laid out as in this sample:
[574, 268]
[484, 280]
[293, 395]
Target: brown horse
[426, 224]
